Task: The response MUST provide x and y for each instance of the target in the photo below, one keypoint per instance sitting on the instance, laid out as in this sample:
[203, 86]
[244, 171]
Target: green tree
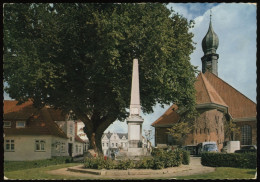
[179, 131]
[78, 57]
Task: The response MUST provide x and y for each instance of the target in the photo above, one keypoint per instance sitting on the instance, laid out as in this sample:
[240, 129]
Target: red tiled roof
[205, 93]
[38, 121]
[212, 89]
[168, 118]
[78, 139]
[14, 111]
[239, 105]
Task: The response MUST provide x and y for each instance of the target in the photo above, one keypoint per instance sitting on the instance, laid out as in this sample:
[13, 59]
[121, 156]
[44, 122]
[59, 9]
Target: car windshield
[210, 147]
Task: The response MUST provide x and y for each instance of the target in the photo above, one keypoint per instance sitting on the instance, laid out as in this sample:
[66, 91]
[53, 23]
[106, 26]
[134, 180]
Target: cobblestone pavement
[184, 170]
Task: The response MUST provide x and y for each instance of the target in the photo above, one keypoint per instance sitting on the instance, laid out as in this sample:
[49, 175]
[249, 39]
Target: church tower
[209, 46]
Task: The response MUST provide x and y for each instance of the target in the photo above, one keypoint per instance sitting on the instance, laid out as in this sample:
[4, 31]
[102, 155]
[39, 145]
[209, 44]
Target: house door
[70, 149]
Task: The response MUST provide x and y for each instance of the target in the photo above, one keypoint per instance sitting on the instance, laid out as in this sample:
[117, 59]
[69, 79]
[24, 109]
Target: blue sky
[235, 25]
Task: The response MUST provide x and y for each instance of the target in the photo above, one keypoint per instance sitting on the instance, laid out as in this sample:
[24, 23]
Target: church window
[246, 135]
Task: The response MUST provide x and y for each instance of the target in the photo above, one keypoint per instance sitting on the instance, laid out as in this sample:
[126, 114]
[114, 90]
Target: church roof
[205, 92]
[239, 105]
[169, 117]
[210, 89]
[38, 121]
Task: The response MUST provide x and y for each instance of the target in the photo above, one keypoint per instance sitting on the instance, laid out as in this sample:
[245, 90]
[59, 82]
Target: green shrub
[186, 157]
[160, 159]
[238, 160]
[145, 163]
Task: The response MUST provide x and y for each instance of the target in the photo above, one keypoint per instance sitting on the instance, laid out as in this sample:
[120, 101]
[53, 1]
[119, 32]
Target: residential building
[115, 142]
[33, 134]
[80, 132]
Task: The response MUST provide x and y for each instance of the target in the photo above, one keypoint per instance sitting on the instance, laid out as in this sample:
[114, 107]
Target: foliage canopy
[78, 57]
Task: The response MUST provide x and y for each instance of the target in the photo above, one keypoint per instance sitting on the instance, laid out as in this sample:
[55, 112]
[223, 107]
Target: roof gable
[168, 118]
[239, 105]
[39, 121]
[205, 92]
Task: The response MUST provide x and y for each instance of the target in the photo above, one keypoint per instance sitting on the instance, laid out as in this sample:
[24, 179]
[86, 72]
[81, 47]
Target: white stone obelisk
[134, 120]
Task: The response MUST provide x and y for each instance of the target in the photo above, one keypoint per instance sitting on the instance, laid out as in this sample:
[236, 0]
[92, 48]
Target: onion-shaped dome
[210, 41]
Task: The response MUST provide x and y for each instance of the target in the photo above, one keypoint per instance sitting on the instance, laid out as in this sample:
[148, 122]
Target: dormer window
[7, 124]
[20, 124]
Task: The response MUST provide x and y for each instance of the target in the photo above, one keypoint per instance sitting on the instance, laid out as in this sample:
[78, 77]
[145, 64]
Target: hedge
[19, 165]
[160, 159]
[237, 160]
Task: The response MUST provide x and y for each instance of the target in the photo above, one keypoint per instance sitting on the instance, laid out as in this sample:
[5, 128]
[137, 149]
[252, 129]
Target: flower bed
[160, 159]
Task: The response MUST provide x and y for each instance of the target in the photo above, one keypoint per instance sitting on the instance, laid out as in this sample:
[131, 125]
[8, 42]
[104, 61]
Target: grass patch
[40, 173]
[224, 173]
[20, 165]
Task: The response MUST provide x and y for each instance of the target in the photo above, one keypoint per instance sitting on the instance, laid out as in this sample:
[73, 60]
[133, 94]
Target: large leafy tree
[78, 58]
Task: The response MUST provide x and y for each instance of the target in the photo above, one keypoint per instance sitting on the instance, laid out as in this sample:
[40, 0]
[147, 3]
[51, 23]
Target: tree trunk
[95, 128]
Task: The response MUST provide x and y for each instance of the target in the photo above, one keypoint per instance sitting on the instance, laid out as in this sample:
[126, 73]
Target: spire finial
[210, 14]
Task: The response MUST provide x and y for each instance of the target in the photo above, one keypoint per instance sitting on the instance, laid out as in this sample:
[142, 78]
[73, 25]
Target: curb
[112, 172]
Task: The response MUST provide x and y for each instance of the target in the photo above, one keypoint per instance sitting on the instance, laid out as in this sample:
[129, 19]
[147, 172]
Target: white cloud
[235, 25]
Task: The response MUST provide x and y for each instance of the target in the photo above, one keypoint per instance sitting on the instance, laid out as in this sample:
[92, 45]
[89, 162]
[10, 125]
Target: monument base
[133, 154]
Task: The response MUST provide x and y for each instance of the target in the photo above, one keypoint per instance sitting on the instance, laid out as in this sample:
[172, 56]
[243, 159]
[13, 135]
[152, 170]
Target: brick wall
[207, 127]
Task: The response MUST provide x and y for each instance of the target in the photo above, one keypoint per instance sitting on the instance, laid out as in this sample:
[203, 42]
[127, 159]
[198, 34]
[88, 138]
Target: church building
[216, 103]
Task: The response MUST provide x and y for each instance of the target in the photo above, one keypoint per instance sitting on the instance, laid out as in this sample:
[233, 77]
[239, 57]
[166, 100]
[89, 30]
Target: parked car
[191, 148]
[207, 147]
[248, 148]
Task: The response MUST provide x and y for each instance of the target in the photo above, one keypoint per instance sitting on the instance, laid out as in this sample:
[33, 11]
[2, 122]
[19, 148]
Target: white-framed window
[116, 144]
[112, 144]
[80, 149]
[76, 148]
[7, 124]
[107, 144]
[39, 145]
[9, 145]
[20, 124]
[62, 147]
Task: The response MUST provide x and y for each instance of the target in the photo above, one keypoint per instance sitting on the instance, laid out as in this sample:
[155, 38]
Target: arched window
[246, 135]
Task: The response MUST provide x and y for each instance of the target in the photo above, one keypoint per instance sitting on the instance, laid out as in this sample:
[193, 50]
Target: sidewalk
[184, 170]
